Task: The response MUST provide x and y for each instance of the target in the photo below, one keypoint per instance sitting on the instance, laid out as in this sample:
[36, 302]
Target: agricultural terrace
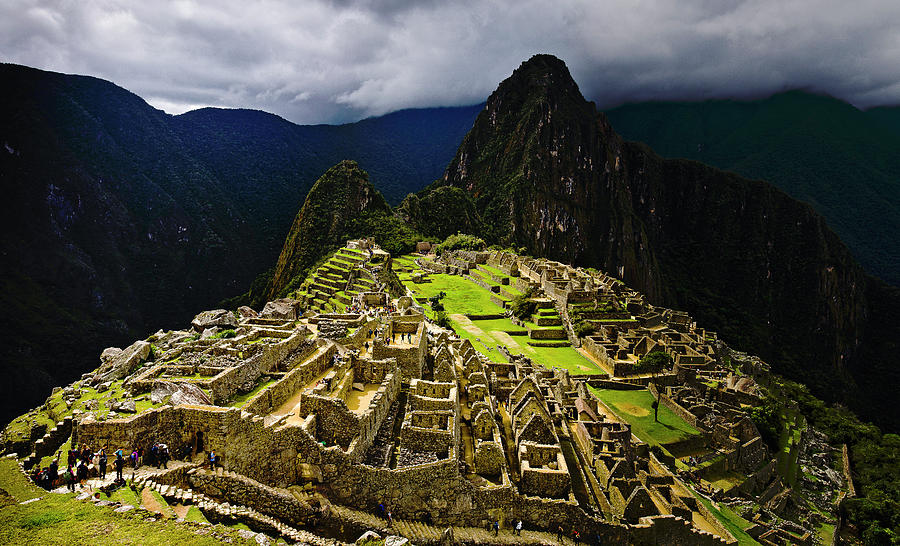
[464, 298]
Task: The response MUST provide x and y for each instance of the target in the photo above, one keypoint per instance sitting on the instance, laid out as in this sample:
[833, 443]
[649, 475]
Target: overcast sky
[320, 62]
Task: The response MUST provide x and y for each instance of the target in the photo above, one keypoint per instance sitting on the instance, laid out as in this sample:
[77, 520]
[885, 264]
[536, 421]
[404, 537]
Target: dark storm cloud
[323, 61]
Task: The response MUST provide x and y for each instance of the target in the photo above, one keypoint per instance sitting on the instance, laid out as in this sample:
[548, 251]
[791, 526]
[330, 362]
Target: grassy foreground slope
[61, 519]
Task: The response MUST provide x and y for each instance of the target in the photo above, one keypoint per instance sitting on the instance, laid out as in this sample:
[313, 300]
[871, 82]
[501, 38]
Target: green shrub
[460, 241]
[654, 362]
[441, 319]
[224, 334]
[584, 328]
[523, 306]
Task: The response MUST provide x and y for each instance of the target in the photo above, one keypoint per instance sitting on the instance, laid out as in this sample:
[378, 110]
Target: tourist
[496, 527]
[101, 461]
[86, 454]
[53, 471]
[519, 528]
[72, 457]
[140, 456]
[164, 455]
[70, 478]
[119, 463]
[154, 454]
[134, 459]
[559, 534]
[575, 536]
[390, 519]
[212, 460]
[82, 473]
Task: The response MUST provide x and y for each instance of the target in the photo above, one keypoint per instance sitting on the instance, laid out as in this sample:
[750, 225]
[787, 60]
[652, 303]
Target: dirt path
[181, 510]
[149, 502]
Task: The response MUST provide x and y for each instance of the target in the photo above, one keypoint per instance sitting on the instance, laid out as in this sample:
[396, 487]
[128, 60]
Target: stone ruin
[373, 408]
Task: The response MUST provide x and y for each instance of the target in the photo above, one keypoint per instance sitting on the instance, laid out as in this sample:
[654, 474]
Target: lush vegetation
[440, 212]
[654, 362]
[460, 241]
[523, 306]
[874, 456]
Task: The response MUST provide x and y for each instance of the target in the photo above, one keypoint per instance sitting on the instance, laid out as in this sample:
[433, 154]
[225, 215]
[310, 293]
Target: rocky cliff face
[342, 195]
[548, 172]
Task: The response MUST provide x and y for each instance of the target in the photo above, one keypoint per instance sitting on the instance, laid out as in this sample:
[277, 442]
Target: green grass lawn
[635, 408]
[463, 296]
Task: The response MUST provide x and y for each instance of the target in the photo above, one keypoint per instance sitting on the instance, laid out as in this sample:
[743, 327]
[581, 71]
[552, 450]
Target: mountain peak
[339, 196]
[541, 75]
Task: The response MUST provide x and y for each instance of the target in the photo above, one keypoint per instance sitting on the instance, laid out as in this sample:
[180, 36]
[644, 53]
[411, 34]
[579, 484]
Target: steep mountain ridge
[548, 173]
[820, 150]
[119, 218]
[103, 214]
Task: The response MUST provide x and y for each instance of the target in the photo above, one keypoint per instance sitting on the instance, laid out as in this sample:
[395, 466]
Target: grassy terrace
[242, 399]
[465, 297]
[735, 524]
[635, 408]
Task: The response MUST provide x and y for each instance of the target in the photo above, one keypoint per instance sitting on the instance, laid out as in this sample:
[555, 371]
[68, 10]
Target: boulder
[109, 353]
[210, 332]
[217, 317]
[283, 308]
[125, 406]
[368, 535]
[247, 312]
[124, 362]
[178, 393]
[395, 541]
[103, 387]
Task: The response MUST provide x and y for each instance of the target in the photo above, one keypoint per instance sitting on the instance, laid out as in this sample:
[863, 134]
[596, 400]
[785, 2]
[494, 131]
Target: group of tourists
[80, 464]
[405, 337]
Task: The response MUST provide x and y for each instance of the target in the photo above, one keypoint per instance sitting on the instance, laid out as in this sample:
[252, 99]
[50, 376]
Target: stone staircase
[422, 533]
[49, 443]
[216, 511]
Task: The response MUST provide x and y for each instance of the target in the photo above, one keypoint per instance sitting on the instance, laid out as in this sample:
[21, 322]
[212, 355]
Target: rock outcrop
[210, 319]
[118, 363]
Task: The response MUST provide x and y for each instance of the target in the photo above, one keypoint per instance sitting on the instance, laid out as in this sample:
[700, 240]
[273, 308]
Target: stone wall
[547, 333]
[246, 492]
[372, 419]
[50, 442]
[223, 386]
[676, 408]
[335, 423]
[672, 530]
[279, 393]
[410, 359]
[274, 455]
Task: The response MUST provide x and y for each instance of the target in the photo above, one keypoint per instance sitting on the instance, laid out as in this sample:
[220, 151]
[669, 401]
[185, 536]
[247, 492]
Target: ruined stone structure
[375, 405]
